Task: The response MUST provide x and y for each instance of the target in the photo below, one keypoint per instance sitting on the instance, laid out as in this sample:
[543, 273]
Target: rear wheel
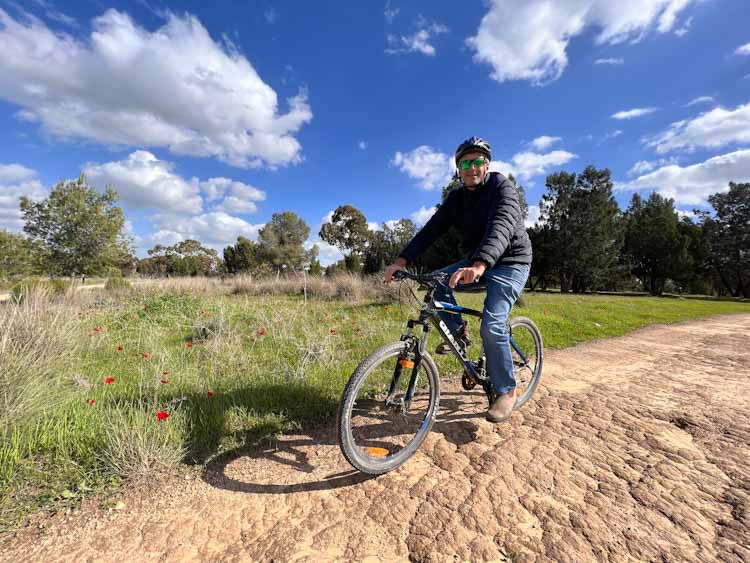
[528, 356]
[379, 431]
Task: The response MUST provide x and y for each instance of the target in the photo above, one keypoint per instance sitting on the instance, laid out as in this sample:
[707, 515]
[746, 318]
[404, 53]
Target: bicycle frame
[430, 312]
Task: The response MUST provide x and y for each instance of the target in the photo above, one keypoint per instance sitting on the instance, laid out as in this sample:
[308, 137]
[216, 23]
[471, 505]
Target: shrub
[139, 445]
[57, 287]
[116, 283]
[35, 347]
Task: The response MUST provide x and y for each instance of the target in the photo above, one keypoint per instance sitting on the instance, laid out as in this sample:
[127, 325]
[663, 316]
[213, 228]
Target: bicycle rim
[527, 357]
[379, 431]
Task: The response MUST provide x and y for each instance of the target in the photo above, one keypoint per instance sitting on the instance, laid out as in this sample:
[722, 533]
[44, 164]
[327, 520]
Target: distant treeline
[582, 241]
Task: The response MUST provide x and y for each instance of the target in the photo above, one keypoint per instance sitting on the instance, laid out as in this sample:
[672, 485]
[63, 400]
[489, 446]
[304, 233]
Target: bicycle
[383, 417]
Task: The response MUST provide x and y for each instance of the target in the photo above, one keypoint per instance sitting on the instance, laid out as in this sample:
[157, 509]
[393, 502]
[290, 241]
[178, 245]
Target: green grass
[230, 371]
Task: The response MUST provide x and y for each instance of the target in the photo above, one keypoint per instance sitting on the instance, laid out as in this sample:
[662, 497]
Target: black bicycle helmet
[474, 144]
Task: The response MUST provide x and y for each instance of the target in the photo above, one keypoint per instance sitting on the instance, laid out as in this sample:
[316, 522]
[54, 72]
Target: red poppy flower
[210, 394]
[120, 348]
[332, 331]
[98, 329]
[90, 402]
[385, 308]
[261, 331]
[354, 322]
[146, 356]
[189, 344]
[165, 373]
[109, 380]
[164, 381]
[162, 415]
[359, 329]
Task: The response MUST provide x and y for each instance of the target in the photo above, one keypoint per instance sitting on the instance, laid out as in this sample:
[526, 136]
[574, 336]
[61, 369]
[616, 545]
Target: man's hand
[467, 275]
[399, 264]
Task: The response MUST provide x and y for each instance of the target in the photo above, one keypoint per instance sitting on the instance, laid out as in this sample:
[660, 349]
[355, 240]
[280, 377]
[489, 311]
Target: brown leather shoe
[502, 407]
[462, 339]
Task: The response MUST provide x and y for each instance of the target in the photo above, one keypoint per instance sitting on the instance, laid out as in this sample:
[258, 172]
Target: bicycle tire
[354, 453]
[524, 323]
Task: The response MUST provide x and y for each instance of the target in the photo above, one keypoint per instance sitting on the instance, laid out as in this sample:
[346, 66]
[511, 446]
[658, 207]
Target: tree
[242, 256]
[281, 242]
[78, 230]
[348, 231]
[729, 238]
[17, 257]
[585, 234]
[654, 243]
[186, 258]
[387, 243]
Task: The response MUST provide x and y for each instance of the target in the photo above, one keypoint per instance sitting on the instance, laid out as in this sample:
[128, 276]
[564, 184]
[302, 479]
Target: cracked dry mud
[633, 449]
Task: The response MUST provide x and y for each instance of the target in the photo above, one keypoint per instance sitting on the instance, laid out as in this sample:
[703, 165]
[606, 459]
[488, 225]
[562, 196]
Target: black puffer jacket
[489, 219]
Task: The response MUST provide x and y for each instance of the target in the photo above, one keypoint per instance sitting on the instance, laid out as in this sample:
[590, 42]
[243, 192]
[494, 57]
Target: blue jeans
[504, 284]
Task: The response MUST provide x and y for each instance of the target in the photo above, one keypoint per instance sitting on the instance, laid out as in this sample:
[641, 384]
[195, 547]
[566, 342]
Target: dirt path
[633, 449]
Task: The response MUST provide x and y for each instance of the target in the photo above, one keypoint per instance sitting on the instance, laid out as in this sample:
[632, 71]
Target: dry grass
[36, 346]
[349, 287]
[138, 447]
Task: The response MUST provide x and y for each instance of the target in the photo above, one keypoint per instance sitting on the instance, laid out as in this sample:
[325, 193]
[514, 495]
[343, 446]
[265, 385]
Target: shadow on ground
[315, 456]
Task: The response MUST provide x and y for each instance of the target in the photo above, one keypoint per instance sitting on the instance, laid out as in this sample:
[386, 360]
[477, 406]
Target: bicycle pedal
[467, 382]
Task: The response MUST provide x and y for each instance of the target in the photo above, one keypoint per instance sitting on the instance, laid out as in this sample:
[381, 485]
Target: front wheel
[528, 356]
[379, 428]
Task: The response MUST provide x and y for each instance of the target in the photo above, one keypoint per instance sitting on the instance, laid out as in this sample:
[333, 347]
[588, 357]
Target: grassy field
[101, 389]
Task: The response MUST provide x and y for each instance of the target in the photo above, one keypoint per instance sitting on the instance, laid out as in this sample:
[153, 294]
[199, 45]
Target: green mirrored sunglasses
[476, 162]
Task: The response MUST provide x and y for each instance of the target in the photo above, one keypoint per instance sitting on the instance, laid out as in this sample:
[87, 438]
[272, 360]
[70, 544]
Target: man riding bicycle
[486, 211]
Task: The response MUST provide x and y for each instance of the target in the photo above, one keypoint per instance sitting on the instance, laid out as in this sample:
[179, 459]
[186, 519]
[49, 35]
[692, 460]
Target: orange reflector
[377, 452]
[406, 363]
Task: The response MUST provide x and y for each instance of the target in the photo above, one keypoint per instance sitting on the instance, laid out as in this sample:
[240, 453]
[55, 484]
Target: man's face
[473, 175]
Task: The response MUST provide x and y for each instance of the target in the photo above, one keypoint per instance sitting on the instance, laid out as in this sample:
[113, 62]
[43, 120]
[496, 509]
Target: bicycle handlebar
[426, 279]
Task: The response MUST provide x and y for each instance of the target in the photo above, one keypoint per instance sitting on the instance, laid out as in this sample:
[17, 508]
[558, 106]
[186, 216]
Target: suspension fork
[410, 359]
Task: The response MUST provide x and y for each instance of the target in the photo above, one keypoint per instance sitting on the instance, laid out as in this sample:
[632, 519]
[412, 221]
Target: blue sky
[210, 117]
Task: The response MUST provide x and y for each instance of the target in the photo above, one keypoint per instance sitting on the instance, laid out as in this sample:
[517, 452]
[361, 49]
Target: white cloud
[544, 142]
[691, 185]
[432, 168]
[632, 113]
[700, 100]
[390, 13]
[327, 253]
[422, 215]
[743, 50]
[613, 135]
[328, 218]
[679, 32]
[418, 42]
[534, 48]
[174, 87]
[145, 182]
[362, 145]
[216, 229]
[529, 164]
[238, 197]
[714, 129]
[17, 181]
[609, 61]
[533, 216]
[270, 15]
[15, 172]
[373, 226]
[644, 166]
